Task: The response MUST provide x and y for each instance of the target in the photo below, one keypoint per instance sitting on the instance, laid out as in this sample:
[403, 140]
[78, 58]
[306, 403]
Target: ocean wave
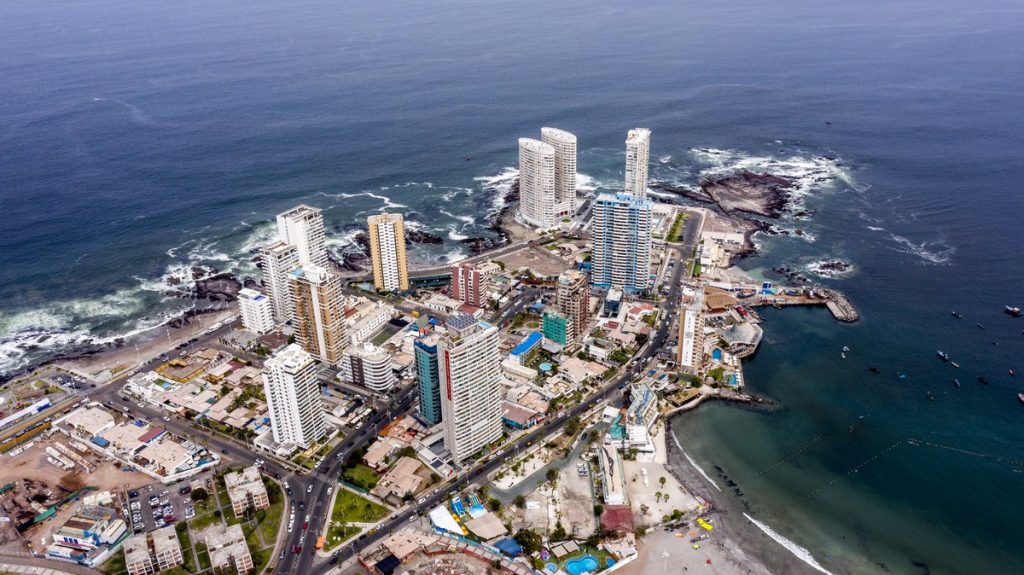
[931, 252]
[470, 220]
[453, 256]
[875, 228]
[801, 553]
[664, 159]
[831, 268]
[807, 172]
[388, 203]
[454, 235]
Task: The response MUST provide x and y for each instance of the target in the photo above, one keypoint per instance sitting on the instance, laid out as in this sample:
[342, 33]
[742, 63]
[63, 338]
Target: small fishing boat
[874, 369]
[901, 376]
[980, 325]
[956, 382]
[982, 379]
[843, 355]
[1020, 396]
[942, 355]
[955, 364]
[930, 396]
[956, 315]
[1014, 311]
[845, 348]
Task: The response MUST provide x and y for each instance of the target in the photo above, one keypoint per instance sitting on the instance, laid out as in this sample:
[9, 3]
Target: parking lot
[158, 505]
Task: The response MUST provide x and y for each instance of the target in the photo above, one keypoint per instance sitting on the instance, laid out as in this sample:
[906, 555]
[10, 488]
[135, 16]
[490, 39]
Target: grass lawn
[204, 556]
[186, 547]
[200, 522]
[115, 565]
[351, 508]
[362, 476]
[598, 554]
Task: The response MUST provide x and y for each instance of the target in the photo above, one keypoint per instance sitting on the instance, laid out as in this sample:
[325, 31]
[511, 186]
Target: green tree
[558, 533]
[199, 494]
[519, 501]
[661, 480]
[529, 540]
[552, 475]
[598, 509]
[572, 427]
[494, 505]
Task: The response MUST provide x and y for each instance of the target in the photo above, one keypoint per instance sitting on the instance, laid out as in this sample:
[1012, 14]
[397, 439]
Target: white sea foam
[819, 268]
[453, 256]
[801, 553]
[454, 235]
[665, 159]
[464, 218]
[875, 228]
[932, 252]
[498, 186]
[388, 203]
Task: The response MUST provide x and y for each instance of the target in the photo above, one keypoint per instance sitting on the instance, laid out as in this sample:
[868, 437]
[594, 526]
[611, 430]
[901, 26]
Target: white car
[167, 418]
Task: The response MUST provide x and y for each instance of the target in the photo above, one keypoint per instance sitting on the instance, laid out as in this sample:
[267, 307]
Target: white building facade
[564, 144]
[369, 366]
[387, 252]
[256, 310]
[469, 369]
[279, 260]
[303, 227]
[293, 397]
[536, 184]
[638, 159]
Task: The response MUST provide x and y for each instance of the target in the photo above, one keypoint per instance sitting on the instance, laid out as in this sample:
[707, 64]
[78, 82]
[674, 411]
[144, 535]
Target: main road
[498, 459]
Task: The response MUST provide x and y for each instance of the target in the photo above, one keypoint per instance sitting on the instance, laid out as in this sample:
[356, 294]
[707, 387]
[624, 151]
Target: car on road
[296, 549]
[167, 418]
[309, 489]
[280, 556]
[224, 451]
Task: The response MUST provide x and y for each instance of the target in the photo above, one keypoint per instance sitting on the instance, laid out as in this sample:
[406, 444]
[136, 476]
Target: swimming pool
[585, 564]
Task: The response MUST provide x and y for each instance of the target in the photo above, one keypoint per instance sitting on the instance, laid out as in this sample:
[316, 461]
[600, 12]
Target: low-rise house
[400, 480]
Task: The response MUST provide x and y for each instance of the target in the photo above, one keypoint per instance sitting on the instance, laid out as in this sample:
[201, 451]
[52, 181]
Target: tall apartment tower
[470, 373]
[564, 145]
[319, 313]
[621, 242]
[536, 184]
[278, 261]
[387, 252]
[573, 299]
[303, 227]
[293, 397]
[425, 350]
[467, 284]
[638, 159]
[257, 311]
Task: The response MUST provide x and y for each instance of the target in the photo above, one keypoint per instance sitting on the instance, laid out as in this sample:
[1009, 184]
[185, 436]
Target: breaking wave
[801, 553]
[933, 252]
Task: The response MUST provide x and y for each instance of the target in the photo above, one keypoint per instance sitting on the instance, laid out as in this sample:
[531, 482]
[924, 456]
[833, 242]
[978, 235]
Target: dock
[841, 307]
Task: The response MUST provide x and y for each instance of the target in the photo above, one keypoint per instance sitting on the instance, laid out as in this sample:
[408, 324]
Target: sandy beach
[735, 545]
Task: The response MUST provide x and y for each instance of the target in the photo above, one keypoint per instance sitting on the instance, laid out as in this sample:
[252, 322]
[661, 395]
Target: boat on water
[874, 369]
[930, 396]
[1014, 311]
[901, 376]
[955, 364]
[957, 315]
[1020, 396]
[956, 382]
[982, 379]
[942, 355]
[845, 348]
[843, 355]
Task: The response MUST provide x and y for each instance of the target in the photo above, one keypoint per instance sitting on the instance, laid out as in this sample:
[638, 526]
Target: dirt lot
[575, 501]
[32, 464]
[538, 259]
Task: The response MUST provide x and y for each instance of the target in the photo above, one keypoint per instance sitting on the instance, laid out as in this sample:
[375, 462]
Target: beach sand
[735, 545]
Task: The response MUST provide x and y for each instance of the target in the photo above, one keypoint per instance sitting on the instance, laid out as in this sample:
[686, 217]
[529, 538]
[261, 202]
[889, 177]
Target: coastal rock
[220, 287]
[421, 237]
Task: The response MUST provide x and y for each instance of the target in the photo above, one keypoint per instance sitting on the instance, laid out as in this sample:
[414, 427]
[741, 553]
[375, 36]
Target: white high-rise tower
[469, 369]
[303, 227]
[638, 159]
[293, 397]
[536, 183]
[279, 260]
[564, 145]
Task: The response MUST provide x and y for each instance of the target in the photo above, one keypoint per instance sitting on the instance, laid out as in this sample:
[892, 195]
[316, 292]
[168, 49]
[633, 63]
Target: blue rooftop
[528, 343]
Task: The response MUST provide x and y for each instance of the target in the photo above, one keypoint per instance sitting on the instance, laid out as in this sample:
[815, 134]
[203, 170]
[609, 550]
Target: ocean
[138, 140]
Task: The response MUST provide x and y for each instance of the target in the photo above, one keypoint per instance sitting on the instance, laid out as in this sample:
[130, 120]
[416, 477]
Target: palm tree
[661, 480]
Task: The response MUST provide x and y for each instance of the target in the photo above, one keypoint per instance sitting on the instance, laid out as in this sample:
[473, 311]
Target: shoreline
[742, 541]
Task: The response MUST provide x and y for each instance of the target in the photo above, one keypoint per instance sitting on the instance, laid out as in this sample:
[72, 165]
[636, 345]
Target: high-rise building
[564, 145]
[256, 310]
[536, 184]
[303, 227]
[467, 283]
[638, 159]
[279, 260]
[621, 241]
[425, 350]
[573, 299]
[293, 397]
[319, 313]
[368, 366]
[469, 368]
[387, 252]
[690, 347]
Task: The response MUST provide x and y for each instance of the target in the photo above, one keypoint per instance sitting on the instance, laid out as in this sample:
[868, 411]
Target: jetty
[841, 307]
[836, 301]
